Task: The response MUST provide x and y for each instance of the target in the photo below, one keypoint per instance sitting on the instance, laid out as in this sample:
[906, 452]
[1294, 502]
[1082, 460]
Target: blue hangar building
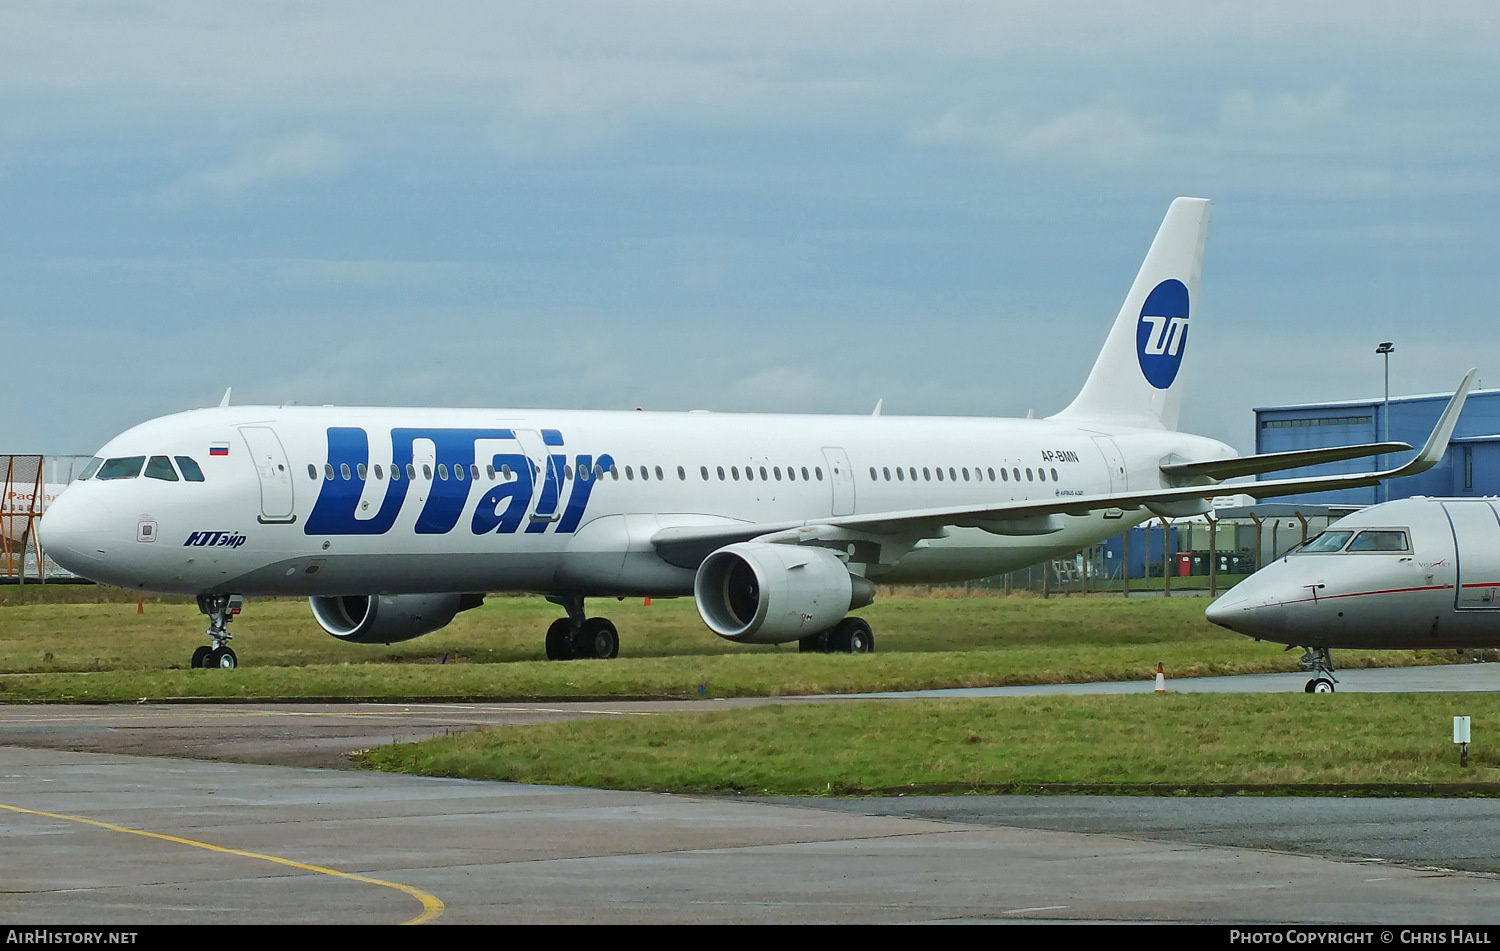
[1471, 466]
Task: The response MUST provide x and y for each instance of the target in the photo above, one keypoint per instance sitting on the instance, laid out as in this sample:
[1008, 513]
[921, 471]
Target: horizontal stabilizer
[1219, 469]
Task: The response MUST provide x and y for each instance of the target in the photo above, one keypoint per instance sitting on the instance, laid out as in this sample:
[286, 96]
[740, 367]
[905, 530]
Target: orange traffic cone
[648, 602]
[140, 605]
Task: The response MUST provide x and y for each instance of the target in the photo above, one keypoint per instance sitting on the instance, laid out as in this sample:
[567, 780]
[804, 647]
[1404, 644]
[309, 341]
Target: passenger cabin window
[1328, 541]
[192, 473]
[1379, 541]
[160, 467]
[125, 467]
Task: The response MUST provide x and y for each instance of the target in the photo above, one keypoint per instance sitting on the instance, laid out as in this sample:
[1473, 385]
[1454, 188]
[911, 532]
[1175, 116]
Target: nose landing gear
[221, 609]
[1320, 660]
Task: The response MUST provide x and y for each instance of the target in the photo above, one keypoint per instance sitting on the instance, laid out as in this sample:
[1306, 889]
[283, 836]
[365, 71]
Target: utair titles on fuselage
[393, 520]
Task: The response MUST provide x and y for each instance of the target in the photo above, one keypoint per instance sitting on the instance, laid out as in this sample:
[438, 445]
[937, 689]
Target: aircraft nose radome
[72, 532]
[1226, 609]
[1252, 613]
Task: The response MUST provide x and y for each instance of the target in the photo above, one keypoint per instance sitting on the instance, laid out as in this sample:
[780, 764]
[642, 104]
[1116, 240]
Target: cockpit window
[1384, 540]
[1328, 541]
[91, 468]
[125, 467]
[160, 467]
[189, 467]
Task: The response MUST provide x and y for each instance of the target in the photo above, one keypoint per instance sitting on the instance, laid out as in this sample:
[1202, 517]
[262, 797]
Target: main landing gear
[221, 609]
[576, 637]
[852, 635]
[1320, 660]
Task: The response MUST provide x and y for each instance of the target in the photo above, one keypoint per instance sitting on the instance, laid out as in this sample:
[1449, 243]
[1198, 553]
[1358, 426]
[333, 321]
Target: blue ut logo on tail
[1161, 335]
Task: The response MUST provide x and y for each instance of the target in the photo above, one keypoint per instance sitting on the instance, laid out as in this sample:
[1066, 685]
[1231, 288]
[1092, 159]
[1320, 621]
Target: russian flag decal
[218, 449]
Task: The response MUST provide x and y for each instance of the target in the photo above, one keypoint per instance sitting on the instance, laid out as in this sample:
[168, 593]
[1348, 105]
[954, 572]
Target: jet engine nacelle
[386, 619]
[759, 593]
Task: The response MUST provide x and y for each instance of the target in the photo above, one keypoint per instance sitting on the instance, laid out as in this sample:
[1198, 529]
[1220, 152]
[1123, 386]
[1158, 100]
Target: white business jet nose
[74, 532]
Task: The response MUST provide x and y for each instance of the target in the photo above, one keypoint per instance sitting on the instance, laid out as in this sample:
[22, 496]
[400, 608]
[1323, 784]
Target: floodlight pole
[1384, 350]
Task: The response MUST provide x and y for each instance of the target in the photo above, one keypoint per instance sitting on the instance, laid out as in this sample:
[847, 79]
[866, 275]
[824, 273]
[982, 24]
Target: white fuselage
[301, 500]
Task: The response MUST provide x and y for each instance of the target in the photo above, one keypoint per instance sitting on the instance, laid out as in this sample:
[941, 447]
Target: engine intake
[387, 619]
[760, 593]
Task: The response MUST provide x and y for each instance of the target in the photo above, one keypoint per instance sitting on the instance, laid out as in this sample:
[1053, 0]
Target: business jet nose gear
[1320, 660]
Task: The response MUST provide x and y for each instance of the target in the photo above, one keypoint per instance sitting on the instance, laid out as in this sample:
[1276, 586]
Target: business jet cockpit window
[1384, 540]
[1328, 541]
[123, 467]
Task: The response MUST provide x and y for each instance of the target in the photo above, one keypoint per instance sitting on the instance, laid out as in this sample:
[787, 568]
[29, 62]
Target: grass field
[87, 644]
[1184, 742]
[91, 644]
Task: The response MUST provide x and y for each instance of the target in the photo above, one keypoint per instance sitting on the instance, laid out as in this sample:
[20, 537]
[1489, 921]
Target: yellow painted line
[432, 906]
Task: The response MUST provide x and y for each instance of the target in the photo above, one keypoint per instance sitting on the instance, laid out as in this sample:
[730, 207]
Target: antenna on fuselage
[878, 403]
[225, 401]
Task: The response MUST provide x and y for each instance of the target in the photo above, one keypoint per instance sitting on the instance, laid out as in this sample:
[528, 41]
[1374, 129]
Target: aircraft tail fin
[1135, 380]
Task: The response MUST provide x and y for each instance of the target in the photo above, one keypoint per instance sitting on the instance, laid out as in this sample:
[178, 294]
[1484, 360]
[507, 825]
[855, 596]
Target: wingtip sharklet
[1437, 443]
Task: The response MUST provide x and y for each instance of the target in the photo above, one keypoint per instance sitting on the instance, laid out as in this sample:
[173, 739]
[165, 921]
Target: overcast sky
[725, 206]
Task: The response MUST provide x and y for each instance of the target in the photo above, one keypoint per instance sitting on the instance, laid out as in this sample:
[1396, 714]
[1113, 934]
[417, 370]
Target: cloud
[1101, 134]
[312, 155]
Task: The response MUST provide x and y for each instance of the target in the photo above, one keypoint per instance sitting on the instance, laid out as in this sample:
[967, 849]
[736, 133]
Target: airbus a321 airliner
[394, 520]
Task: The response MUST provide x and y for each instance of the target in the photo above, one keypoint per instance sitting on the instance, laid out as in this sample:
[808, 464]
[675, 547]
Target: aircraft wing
[689, 545]
[1277, 461]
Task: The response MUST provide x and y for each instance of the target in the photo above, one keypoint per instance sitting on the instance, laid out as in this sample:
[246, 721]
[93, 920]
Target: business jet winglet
[393, 520]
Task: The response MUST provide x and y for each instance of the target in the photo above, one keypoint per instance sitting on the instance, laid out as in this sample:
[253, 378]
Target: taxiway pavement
[174, 813]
